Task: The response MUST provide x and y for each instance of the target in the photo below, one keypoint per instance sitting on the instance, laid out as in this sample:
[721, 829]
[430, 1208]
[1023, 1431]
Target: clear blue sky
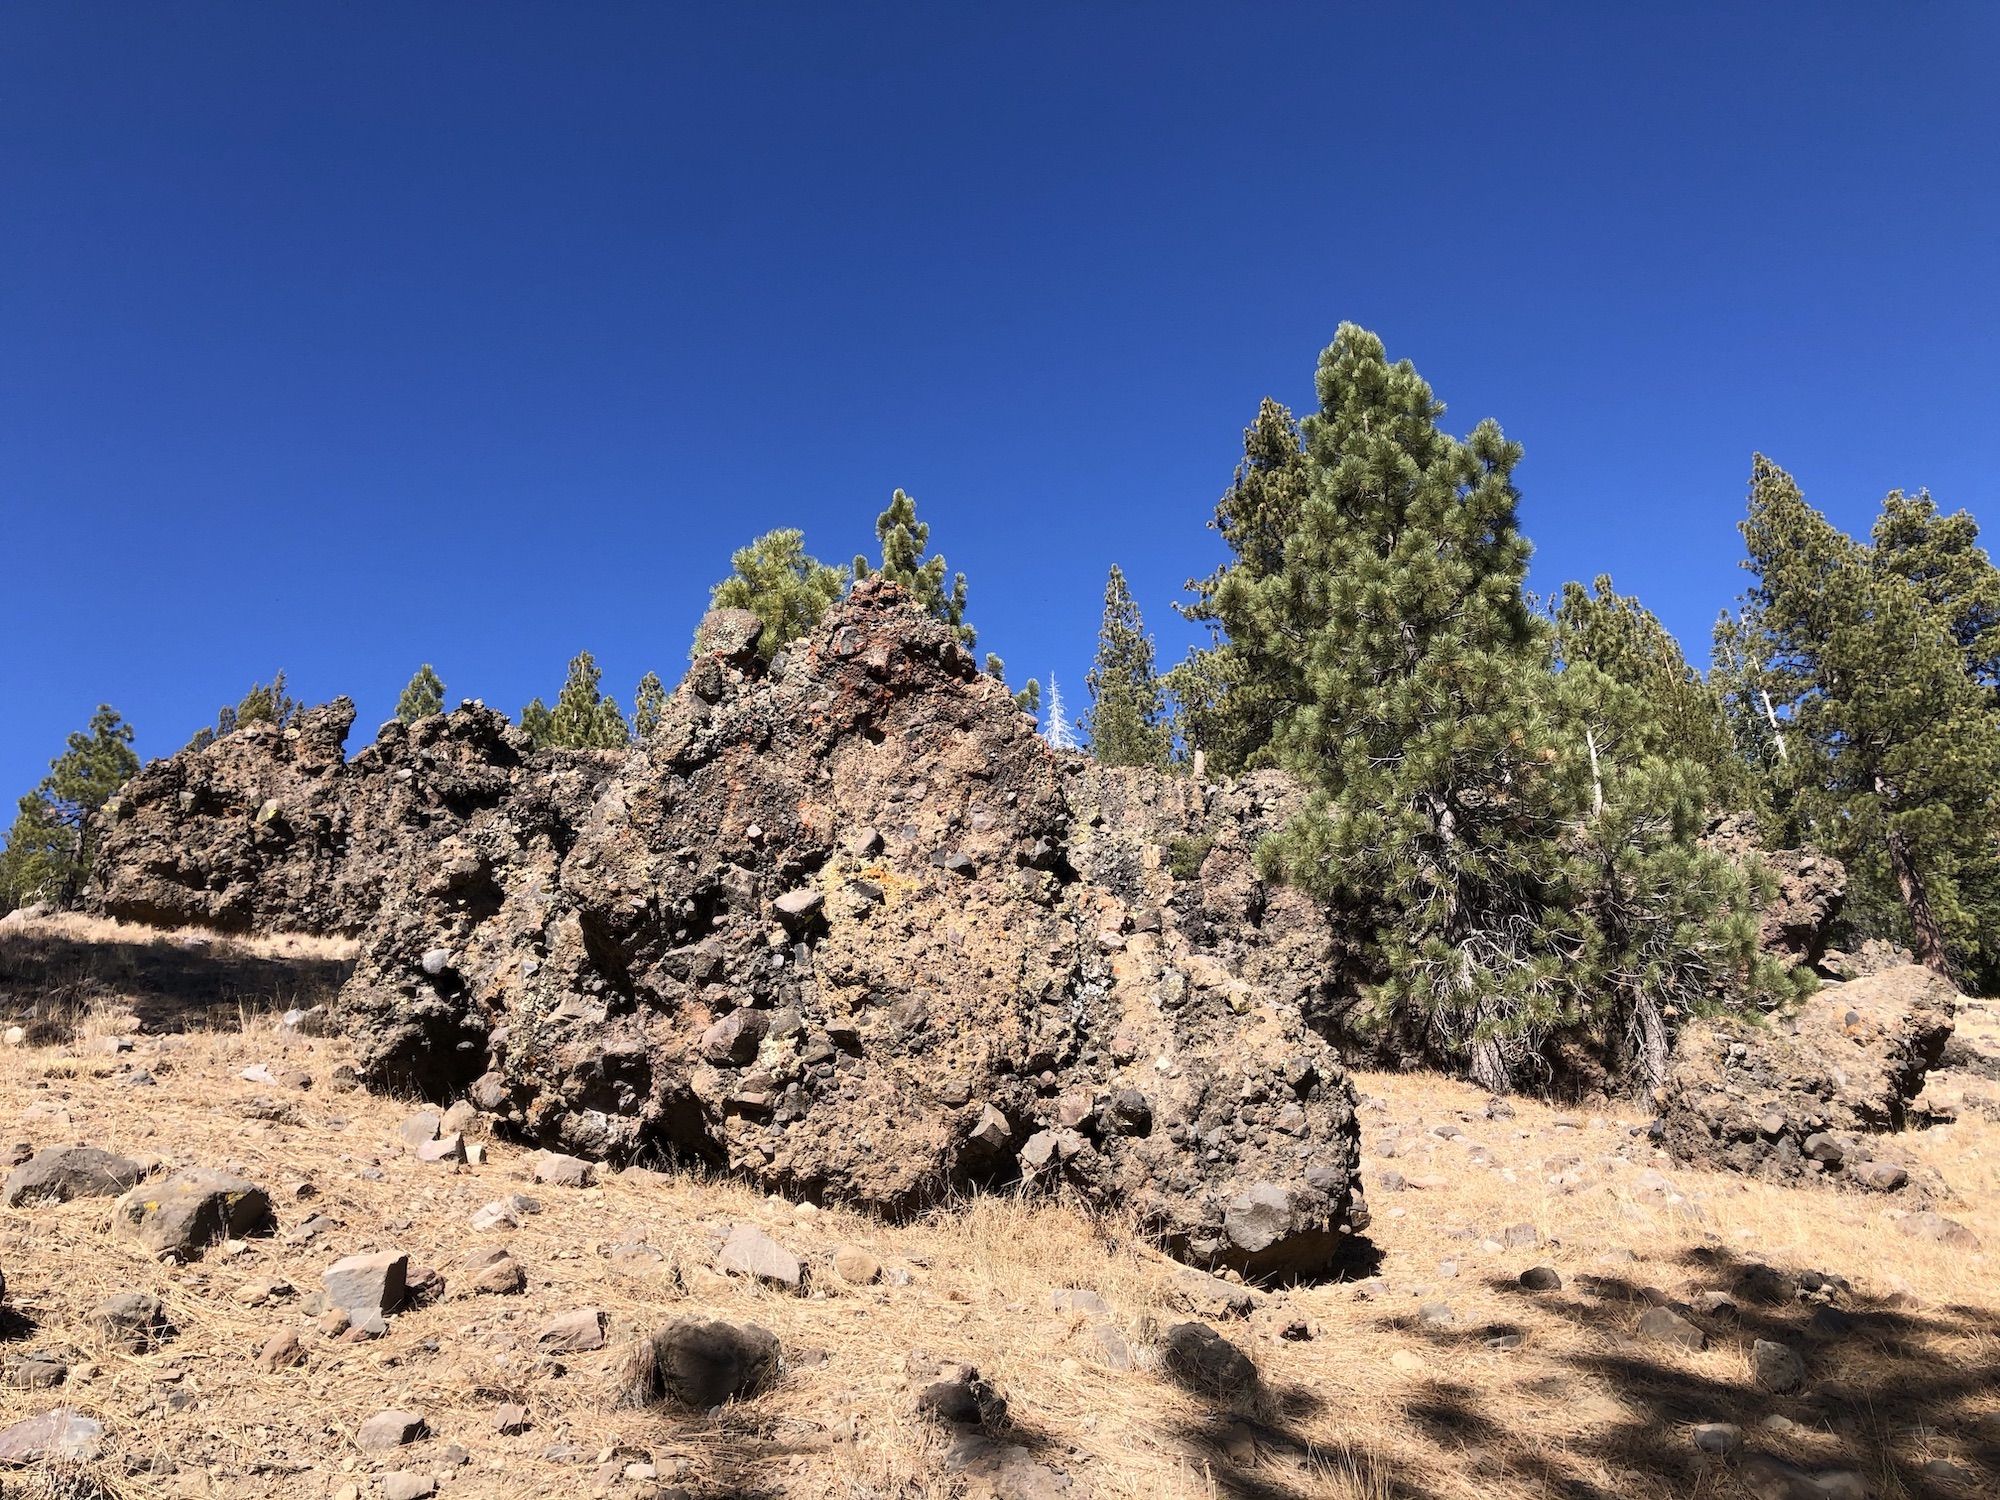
[341, 338]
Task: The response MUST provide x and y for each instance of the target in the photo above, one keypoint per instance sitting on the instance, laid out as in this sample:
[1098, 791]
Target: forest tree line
[1507, 794]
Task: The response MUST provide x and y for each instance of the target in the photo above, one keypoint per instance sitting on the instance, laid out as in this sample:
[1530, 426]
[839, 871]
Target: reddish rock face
[845, 926]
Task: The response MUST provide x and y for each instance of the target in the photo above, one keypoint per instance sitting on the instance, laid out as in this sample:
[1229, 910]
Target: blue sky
[341, 338]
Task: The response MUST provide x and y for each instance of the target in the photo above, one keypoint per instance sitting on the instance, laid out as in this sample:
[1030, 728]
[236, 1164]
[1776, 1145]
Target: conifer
[423, 697]
[904, 541]
[1128, 723]
[778, 581]
[649, 701]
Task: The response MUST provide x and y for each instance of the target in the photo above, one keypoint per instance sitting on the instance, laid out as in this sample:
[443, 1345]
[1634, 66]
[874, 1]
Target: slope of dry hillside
[1430, 1372]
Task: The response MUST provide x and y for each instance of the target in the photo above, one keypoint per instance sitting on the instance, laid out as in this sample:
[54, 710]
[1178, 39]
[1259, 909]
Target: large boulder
[847, 928]
[1799, 1095]
[1810, 888]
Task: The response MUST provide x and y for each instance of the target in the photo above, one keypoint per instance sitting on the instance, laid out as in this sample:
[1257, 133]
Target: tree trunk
[1926, 936]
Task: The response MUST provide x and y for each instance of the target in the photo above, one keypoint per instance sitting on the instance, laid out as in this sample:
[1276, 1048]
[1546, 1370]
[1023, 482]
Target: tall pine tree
[52, 845]
[1228, 697]
[584, 718]
[1128, 721]
[649, 701]
[1891, 747]
[1941, 557]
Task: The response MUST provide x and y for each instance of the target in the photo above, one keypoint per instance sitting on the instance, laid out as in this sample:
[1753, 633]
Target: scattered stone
[700, 1364]
[557, 1170]
[367, 1286]
[1663, 1325]
[132, 1321]
[1718, 1438]
[1935, 1227]
[1776, 1367]
[1541, 1279]
[192, 1210]
[961, 1397]
[505, 1213]
[498, 1274]
[856, 1266]
[63, 1173]
[280, 1352]
[1111, 1346]
[1436, 1315]
[1199, 1358]
[573, 1332]
[1521, 1237]
[1879, 1176]
[446, 1148]
[33, 1371]
[403, 1485]
[752, 1253]
[1079, 1300]
[59, 1435]
[510, 1419]
[391, 1429]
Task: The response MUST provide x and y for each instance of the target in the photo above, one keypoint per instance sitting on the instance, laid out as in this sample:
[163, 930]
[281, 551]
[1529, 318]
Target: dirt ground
[1428, 1372]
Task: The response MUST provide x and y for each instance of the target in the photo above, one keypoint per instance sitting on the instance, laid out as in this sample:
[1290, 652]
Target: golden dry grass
[1371, 1404]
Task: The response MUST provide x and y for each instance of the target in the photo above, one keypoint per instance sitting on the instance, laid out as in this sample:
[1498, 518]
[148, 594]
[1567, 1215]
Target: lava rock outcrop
[1801, 1095]
[843, 926]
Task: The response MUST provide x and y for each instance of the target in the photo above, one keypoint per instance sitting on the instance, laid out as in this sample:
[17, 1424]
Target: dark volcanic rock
[1789, 1097]
[844, 926]
[1811, 888]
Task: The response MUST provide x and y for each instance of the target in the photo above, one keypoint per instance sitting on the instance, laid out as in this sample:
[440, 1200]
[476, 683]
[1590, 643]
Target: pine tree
[535, 722]
[1061, 734]
[1128, 721]
[1941, 557]
[649, 701]
[1229, 696]
[1029, 699]
[1623, 639]
[584, 718]
[265, 703]
[1440, 792]
[904, 539]
[1892, 750]
[783, 585]
[423, 697]
[52, 844]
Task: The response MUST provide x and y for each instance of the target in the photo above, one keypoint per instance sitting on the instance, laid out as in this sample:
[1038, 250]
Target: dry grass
[1373, 1404]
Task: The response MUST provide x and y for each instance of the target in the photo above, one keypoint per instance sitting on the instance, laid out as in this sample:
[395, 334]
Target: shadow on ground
[1888, 1388]
[173, 983]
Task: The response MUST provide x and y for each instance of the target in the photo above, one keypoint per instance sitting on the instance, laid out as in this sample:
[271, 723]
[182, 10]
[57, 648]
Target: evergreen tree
[423, 697]
[535, 723]
[1029, 699]
[1229, 696]
[1892, 751]
[39, 860]
[52, 845]
[784, 586]
[1128, 721]
[1061, 734]
[265, 703]
[1623, 639]
[649, 701]
[584, 718]
[1941, 557]
[904, 539]
[1513, 847]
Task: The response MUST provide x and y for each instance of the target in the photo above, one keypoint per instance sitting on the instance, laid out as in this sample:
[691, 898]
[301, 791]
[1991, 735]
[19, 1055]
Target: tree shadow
[48, 980]
[1883, 1389]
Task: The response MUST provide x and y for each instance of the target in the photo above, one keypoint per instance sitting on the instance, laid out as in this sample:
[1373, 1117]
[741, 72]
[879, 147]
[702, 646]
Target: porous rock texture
[843, 926]
[1800, 1095]
[276, 830]
[1810, 888]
